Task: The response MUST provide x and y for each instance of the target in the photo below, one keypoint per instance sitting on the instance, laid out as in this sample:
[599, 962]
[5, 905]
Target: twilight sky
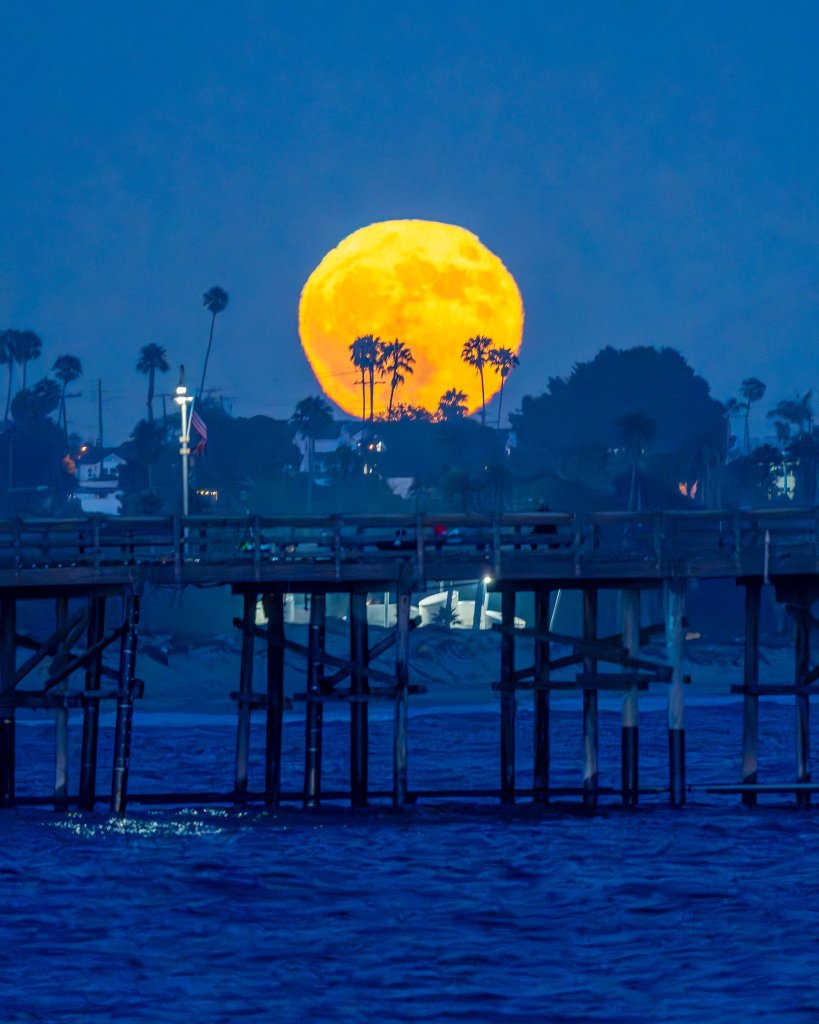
[649, 172]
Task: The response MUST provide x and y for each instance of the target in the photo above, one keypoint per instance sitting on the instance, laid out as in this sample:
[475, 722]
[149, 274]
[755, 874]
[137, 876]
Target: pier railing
[516, 546]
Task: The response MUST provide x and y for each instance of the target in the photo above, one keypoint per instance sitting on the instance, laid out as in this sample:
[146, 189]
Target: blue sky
[649, 173]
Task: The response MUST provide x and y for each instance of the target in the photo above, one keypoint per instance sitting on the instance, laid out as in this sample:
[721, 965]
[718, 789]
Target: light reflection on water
[438, 912]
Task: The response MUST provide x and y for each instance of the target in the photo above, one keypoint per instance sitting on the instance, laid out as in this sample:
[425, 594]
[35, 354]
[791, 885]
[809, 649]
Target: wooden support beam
[675, 648]
[8, 655]
[62, 658]
[750, 697]
[274, 713]
[314, 713]
[629, 732]
[125, 702]
[359, 721]
[400, 719]
[248, 621]
[91, 707]
[591, 770]
[328, 660]
[540, 680]
[89, 655]
[377, 649]
[508, 701]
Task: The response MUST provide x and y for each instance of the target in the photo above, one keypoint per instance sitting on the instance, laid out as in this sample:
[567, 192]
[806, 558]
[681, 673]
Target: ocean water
[442, 911]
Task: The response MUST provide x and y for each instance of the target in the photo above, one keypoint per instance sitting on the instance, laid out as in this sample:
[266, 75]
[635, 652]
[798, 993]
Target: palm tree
[476, 353]
[636, 430]
[397, 360]
[28, 346]
[66, 369]
[36, 402]
[752, 391]
[504, 360]
[801, 444]
[366, 355]
[452, 406]
[152, 358]
[730, 411]
[358, 358]
[215, 299]
[8, 348]
[311, 417]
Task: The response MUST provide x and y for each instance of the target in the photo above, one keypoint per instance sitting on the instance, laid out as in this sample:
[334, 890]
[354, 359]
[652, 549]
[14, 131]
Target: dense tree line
[632, 429]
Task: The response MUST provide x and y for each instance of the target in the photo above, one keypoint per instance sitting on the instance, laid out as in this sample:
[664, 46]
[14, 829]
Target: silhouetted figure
[545, 529]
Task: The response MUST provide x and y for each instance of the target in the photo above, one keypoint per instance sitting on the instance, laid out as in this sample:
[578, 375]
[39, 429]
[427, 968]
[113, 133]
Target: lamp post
[185, 403]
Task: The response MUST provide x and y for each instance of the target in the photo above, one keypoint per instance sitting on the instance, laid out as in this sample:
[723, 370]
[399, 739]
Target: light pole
[185, 403]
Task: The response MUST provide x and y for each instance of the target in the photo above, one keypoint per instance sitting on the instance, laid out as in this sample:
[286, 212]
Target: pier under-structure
[94, 571]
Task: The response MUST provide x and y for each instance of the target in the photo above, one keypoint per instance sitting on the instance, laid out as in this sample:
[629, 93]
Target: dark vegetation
[632, 429]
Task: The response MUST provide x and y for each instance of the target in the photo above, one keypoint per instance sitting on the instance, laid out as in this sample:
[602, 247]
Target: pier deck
[351, 549]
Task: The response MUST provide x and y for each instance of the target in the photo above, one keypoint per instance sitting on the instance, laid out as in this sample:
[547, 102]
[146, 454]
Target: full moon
[429, 285]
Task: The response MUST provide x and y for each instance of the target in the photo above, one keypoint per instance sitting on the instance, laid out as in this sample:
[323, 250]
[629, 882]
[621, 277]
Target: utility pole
[99, 409]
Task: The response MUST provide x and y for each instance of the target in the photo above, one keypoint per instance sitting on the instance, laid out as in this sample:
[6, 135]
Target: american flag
[198, 424]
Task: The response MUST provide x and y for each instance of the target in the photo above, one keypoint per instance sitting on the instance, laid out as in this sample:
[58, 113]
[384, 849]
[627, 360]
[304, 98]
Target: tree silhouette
[732, 407]
[310, 418]
[366, 354]
[636, 431]
[800, 442]
[215, 299]
[66, 369]
[396, 361]
[29, 346]
[36, 402]
[415, 413]
[452, 406]
[476, 353]
[793, 413]
[570, 430]
[504, 360]
[752, 391]
[152, 358]
[8, 348]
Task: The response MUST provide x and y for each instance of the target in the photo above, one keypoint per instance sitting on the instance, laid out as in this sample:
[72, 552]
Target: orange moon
[430, 285]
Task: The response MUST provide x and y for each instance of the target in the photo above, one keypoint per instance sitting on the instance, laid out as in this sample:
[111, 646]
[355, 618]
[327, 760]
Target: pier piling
[313, 711]
[508, 701]
[399, 744]
[8, 670]
[590, 704]
[91, 705]
[125, 702]
[243, 710]
[675, 647]
[629, 732]
[802, 667]
[61, 712]
[273, 604]
[541, 697]
[750, 697]
[359, 720]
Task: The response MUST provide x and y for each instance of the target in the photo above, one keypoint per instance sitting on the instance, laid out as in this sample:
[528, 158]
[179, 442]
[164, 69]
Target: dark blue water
[439, 912]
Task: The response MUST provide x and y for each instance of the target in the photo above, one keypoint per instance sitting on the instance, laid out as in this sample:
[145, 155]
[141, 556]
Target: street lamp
[185, 403]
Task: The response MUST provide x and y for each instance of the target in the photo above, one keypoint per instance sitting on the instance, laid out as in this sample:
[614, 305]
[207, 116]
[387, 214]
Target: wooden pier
[94, 571]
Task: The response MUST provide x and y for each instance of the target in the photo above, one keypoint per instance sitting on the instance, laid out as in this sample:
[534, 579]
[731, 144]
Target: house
[97, 480]
[325, 447]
